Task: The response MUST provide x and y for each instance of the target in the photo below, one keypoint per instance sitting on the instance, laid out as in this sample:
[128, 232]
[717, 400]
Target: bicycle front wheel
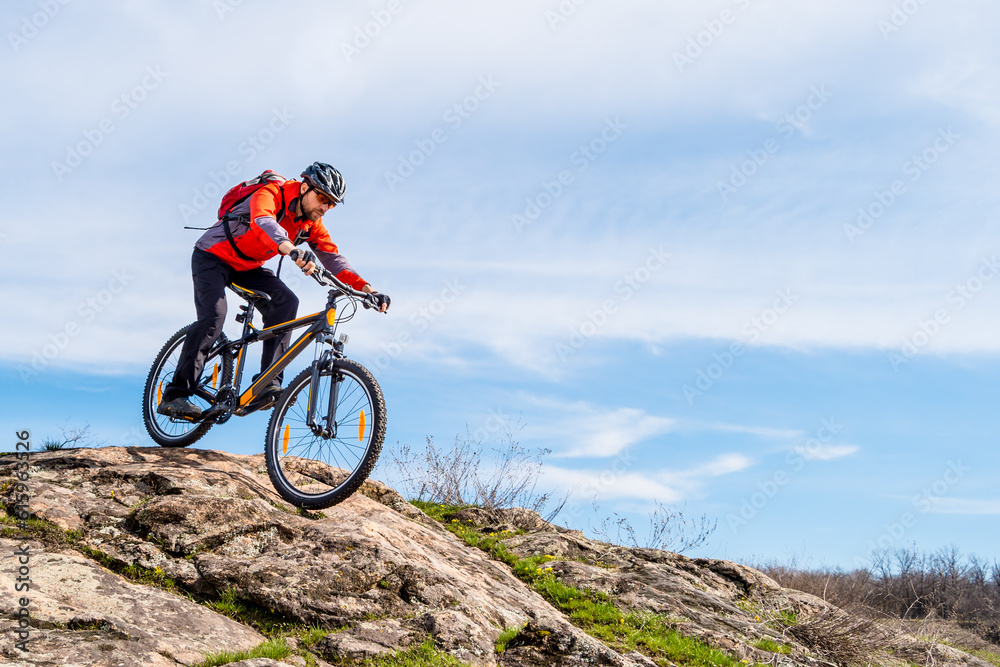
[310, 464]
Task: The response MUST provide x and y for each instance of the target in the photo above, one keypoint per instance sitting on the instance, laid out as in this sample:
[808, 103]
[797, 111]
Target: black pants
[211, 275]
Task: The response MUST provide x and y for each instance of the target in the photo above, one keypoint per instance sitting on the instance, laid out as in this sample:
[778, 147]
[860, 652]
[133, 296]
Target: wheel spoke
[174, 432]
[315, 471]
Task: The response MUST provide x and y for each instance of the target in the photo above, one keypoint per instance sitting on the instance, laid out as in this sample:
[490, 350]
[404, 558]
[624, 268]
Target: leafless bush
[459, 475]
[71, 438]
[907, 584]
[669, 530]
[847, 590]
[843, 639]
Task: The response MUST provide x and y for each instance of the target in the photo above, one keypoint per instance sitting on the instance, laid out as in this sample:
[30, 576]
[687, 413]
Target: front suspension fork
[328, 427]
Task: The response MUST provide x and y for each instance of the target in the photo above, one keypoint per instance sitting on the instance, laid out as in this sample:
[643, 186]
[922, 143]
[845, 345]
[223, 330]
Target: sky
[734, 256]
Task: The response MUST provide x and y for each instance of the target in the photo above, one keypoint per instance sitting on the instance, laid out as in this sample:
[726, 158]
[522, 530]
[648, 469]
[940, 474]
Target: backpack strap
[232, 241]
[246, 221]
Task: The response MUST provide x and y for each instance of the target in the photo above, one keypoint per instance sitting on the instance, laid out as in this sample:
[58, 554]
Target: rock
[456, 633]
[374, 569]
[82, 613]
[550, 642]
[366, 640]
[516, 518]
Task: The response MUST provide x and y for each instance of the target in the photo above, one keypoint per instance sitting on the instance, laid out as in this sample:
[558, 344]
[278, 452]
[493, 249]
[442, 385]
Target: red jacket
[260, 238]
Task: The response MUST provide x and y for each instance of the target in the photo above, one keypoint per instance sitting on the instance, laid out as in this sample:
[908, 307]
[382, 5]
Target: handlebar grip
[327, 279]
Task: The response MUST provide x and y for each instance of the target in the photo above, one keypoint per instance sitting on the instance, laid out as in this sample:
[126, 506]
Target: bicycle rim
[214, 375]
[316, 470]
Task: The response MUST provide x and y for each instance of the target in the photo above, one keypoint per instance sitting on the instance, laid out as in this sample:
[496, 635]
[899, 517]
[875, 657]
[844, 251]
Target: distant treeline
[908, 584]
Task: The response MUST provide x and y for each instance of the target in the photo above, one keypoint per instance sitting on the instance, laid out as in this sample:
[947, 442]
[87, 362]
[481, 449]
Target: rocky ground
[150, 556]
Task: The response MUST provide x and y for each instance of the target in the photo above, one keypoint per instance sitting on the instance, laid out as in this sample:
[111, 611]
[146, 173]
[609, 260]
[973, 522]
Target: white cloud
[585, 430]
[586, 485]
[966, 506]
[764, 432]
[530, 291]
[725, 464]
[826, 452]
[620, 481]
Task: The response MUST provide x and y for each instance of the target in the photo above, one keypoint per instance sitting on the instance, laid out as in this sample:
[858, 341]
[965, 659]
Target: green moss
[988, 656]
[438, 511]
[595, 613]
[136, 573]
[39, 529]
[766, 644]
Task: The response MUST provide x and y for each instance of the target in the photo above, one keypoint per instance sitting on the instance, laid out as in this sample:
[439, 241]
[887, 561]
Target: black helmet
[326, 179]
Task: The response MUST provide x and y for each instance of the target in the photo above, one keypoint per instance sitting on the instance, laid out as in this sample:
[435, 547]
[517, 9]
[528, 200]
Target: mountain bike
[328, 424]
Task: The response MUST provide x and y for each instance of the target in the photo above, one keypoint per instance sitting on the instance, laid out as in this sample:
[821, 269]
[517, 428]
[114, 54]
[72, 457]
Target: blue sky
[735, 256]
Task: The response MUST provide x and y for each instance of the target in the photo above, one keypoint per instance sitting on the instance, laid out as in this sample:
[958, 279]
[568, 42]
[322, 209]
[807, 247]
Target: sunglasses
[324, 200]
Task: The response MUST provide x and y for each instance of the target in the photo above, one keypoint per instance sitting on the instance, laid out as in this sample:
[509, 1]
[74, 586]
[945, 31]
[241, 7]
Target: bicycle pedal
[213, 412]
[253, 406]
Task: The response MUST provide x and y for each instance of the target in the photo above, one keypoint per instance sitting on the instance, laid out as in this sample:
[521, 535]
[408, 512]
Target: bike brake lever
[318, 276]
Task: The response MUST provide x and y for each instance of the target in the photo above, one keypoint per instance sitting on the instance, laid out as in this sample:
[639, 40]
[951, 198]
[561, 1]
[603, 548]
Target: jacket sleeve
[264, 205]
[326, 250]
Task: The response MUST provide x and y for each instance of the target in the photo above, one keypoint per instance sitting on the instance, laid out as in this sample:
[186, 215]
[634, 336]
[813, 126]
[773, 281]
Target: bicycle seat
[250, 295]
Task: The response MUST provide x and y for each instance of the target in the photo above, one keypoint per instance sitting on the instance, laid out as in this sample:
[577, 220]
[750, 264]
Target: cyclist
[274, 220]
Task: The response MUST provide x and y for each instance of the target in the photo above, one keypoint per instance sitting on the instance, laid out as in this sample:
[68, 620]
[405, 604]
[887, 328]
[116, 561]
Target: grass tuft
[424, 655]
[264, 621]
[772, 646]
[275, 649]
[506, 637]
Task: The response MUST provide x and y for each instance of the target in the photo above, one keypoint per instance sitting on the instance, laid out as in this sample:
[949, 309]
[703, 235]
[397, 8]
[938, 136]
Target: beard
[314, 214]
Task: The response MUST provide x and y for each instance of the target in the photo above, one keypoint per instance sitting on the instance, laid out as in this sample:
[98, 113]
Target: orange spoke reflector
[331, 316]
[361, 427]
[215, 375]
[159, 394]
[284, 439]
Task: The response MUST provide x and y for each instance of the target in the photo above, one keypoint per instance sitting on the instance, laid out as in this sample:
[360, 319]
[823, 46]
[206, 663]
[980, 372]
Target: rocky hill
[148, 556]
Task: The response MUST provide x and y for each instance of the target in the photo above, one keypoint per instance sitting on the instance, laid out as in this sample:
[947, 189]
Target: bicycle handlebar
[327, 279]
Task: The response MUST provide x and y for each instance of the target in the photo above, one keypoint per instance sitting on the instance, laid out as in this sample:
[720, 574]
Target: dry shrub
[843, 589]
[843, 639]
[71, 438]
[908, 584]
[669, 530]
[460, 475]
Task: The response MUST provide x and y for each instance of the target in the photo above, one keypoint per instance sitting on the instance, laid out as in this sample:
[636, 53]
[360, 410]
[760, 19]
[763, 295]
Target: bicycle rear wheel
[312, 469]
[218, 372]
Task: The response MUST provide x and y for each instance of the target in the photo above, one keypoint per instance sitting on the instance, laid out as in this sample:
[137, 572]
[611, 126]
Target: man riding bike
[273, 220]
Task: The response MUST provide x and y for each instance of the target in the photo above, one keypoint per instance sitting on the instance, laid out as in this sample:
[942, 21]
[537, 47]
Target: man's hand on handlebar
[369, 297]
[381, 301]
[377, 299]
[304, 259]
